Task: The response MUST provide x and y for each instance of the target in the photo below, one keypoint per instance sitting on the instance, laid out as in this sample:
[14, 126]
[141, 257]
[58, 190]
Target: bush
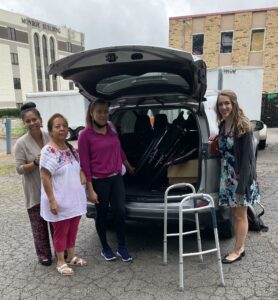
[9, 112]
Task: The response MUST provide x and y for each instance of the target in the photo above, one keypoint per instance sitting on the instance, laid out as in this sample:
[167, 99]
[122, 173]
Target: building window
[257, 40]
[197, 44]
[14, 58]
[52, 60]
[226, 42]
[17, 84]
[69, 47]
[71, 85]
[11, 34]
[52, 50]
[45, 60]
[38, 61]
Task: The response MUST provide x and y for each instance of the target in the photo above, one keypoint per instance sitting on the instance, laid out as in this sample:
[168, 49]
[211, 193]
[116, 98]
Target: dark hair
[91, 107]
[51, 120]
[27, 107]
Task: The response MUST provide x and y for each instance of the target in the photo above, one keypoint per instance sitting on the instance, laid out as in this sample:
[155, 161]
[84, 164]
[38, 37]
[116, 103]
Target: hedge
[9, 112]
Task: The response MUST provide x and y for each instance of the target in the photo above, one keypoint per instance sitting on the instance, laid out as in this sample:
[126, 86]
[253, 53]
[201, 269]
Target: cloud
[111, 22]
[128, 22]
[104, 22]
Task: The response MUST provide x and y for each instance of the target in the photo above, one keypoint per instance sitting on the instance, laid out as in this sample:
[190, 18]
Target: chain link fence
[270, 109]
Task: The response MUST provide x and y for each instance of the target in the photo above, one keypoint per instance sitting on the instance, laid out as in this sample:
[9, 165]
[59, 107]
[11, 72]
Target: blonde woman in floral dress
[238, 186]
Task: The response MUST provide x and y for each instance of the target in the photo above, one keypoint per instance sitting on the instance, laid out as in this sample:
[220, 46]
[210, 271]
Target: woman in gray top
[27, 154]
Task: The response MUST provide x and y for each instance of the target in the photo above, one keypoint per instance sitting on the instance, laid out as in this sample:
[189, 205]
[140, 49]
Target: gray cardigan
[25, 151]
[245, 161]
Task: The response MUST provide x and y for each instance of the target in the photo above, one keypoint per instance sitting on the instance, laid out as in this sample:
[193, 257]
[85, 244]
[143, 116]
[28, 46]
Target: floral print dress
[229, 178]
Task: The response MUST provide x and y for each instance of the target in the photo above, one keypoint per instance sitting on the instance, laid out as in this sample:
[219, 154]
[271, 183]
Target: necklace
[228, 126]
[61, 146]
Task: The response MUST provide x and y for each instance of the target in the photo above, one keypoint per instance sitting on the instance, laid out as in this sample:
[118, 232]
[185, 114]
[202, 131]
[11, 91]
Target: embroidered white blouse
[67, 188]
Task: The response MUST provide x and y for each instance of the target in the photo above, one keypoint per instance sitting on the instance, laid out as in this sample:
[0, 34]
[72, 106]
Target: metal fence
[270, 109]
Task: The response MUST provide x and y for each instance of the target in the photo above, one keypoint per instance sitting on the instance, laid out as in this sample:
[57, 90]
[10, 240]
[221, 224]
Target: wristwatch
[36, 162]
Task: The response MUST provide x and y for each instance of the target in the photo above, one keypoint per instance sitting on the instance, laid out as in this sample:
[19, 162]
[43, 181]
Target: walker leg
[181, 285]
[199, 242]
[165, 251]
[165, 234]
[219, 256]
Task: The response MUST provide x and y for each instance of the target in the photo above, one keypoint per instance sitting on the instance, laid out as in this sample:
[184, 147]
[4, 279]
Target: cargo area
[162, 145]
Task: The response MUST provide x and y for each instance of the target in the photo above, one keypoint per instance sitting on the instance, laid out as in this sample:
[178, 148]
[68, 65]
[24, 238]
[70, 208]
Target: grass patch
[18, 131]
[7, 169]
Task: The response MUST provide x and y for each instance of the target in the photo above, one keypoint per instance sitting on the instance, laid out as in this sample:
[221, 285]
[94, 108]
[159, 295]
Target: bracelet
[36, 162]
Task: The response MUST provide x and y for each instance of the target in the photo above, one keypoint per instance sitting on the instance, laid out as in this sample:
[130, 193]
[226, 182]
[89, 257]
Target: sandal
[65, 270]
[77, 261]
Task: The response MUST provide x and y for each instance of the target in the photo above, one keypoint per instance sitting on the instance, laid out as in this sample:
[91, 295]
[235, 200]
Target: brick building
[27, 47]
[233, 38]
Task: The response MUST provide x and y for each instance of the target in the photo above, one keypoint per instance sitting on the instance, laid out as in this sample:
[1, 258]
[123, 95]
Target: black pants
[111, 191]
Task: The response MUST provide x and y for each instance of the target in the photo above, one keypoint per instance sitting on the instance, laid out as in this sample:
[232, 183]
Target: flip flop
[65, 270]
[77, 261]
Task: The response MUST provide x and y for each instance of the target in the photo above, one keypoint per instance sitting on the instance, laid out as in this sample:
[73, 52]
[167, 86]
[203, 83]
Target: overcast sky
[118, 22]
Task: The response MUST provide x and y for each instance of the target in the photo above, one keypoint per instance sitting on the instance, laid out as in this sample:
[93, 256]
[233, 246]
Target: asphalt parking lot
[255, 277]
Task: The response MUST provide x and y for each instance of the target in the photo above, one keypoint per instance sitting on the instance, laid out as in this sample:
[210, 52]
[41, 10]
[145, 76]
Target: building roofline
[40, 20]
[223, 13]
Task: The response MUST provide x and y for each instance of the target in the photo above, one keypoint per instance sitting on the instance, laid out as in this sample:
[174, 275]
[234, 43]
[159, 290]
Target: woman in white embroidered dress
[63, 197]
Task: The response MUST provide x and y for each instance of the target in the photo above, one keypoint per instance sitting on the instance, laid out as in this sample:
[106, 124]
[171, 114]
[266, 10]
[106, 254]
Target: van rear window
[167, 81]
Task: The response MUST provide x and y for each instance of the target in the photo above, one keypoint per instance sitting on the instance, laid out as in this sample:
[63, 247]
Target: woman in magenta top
[102, 161]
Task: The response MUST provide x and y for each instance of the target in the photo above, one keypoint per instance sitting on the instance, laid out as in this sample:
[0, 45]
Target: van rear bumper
[155, 211]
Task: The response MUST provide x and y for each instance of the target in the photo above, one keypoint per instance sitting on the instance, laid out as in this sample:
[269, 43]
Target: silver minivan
[164, 117]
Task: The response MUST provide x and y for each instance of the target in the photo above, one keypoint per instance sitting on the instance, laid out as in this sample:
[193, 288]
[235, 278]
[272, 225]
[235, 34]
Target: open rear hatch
[115, 72]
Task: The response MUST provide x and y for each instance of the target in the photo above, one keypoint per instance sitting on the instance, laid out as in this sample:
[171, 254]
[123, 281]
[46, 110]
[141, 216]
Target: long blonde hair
[240, 121]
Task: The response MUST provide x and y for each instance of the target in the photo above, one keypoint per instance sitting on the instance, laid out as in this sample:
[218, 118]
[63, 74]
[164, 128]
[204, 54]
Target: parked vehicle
[260, 133]
[263, 136]
[164, 87]
[69, 103]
